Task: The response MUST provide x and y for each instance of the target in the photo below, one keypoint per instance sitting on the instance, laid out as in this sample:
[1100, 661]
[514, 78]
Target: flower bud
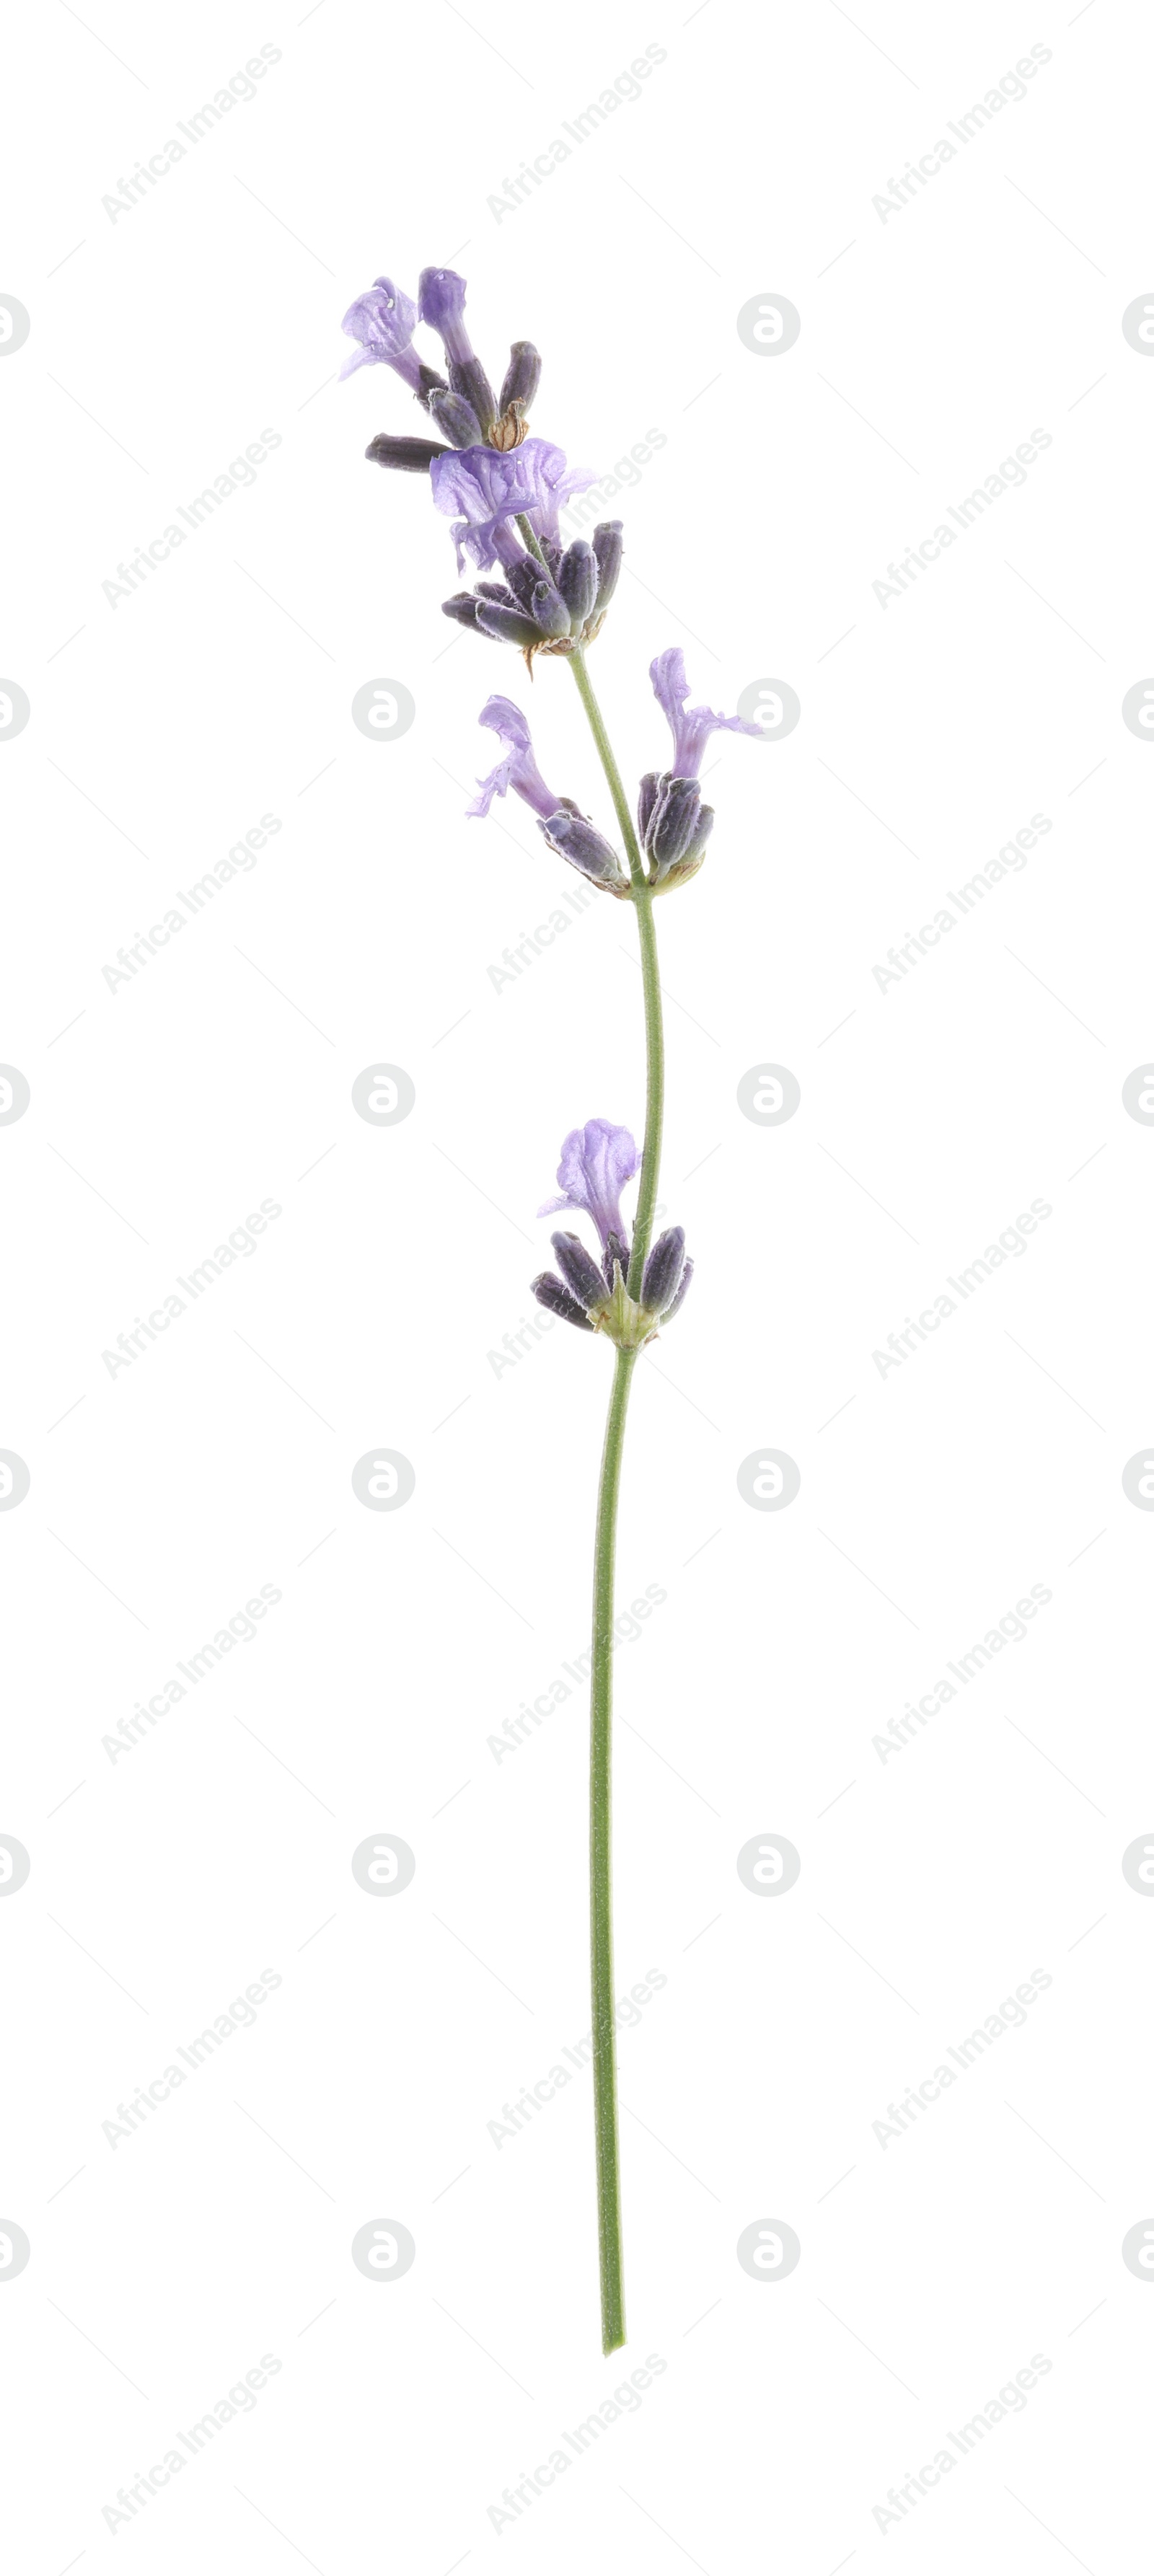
[407, 455]
[456, 418]
[608, 549]
[549, 1292]
[522, 377]
[577, 579]
[579, 1270]
[575, 839]
[462, 607]
[663, 1269]
[506, 625]
[646, 800]
[679, 1300]
[616, 1257]
[467, 376]
[548, 608]
[673, 822]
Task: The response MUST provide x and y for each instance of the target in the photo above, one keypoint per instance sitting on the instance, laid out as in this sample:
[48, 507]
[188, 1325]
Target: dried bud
[511, 429]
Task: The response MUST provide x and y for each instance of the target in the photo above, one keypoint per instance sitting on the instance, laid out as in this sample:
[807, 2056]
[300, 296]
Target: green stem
[604, 1557]
[600, 1866]
[650, 981]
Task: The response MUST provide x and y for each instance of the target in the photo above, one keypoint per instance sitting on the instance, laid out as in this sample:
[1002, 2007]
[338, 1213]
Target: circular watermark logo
[1138, 325]
[384, 1094]
[383, 2249]
[768, 324]
[382, 1480]
[1138, 1094]
[15, 1094]
[1138, 2250]
[382, 709]
[1138, 1865]
[1137, 709]
[768, 1479]
[769, 1094]
[769, 1865]
[14, 2249]
[383, 1865]
[772, 706]
[15, 709]
[14, 1480]
[1138, 1479]
[15, 325]
[768, 2250]
[14, 1864]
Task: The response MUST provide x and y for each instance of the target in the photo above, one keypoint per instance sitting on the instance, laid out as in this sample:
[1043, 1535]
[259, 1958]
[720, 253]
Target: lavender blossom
[596, 1161]
[691, 726]
[518, 769]
[490, 490]
[442, 298]
[383, 321]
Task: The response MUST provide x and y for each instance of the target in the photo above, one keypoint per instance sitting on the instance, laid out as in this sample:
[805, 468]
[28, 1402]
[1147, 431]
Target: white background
[935, 2265]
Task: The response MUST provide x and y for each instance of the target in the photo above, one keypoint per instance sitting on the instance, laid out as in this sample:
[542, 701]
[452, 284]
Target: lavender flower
[691, 726]
[574, 838]
[490, 490]
[383, 322]
[518, 769]
[674, 826]
[596, 1161]
[442, 296]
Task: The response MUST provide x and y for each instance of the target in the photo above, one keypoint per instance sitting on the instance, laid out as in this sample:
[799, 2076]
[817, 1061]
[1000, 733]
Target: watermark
[1012, 1242]
[1012, 471]
[15, 1865]
[240, 1630]
[384, 1479]
[769, 1094]
[1010, 2400]
[769, 325]
[586, 507]
[240, 860]
[241, 470]
[240, 2400]
[383, 1865]
[623, 92]
[382, 709]
[517, 1346]
[959, 902]
[768, 1480]
[769, 1865]
[625, 2400]
[241, 2014]
[769, 2249]
[1010, 2015]
[241, 1245]
[239, 91]
[627, 1628]
[1010, 1630]
[15, 325]
[574, 903]
[15, 709]
[383, 2249]
[516, 2116]
[1010, 90]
